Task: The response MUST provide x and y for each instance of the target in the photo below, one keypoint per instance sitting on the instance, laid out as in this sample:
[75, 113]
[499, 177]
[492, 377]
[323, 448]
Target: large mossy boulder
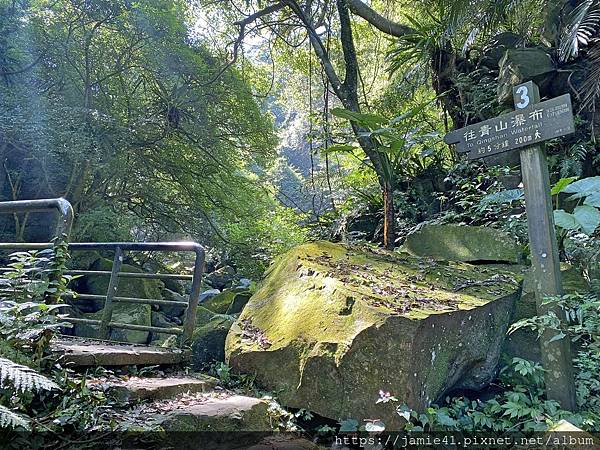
[127, 287]
[523, 64]
[331, 325]
[463, 243]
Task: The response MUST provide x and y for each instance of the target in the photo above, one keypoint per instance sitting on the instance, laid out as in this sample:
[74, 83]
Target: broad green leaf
[583, 188]
[507, 196]
[445, 420]
[588, 217]
[593, 200]
[412, 112]
[377, 426]
[565, 220]
[561, 185]
[339, 148]
[397, 145]
[372, 121]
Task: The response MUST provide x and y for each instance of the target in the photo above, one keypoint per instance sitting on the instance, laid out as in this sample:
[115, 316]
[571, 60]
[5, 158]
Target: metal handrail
[106, 323]
[63, 207]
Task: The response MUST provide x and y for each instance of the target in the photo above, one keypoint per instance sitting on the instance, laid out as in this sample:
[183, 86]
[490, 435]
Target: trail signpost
[532, 123]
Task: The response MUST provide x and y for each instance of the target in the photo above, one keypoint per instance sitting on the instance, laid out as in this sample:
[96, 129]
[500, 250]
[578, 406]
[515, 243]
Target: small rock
[173, 311]
[157, 388]
[208, 342]
[239, 301]
[221, 278]
[208, 294]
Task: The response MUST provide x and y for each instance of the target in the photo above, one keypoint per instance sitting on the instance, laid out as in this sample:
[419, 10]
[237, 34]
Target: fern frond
[23, 378]
[591, 84]
[10, 419]
[583, 24]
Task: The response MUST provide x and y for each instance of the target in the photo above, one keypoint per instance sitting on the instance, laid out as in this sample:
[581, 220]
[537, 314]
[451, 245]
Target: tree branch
[320, 51]
[377, 20]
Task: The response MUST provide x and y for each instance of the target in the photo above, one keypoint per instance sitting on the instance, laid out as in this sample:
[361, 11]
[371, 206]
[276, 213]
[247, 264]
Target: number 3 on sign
[523, 93]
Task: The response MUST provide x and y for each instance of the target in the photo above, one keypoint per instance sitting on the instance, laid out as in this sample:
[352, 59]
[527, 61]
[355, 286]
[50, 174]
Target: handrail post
[65, 221]
[60, 204]
[189, 321]
[104, 332]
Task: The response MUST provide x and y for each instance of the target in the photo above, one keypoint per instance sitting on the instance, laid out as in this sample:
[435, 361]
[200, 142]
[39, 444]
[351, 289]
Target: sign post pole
[526, 128]
[556, 355]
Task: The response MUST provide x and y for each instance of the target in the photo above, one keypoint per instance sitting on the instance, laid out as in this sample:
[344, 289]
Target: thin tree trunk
[389, 229]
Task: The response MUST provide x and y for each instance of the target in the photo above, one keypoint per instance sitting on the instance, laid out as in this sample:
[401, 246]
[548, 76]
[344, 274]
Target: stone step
[88, 352]
[218, 419]
[136, 388]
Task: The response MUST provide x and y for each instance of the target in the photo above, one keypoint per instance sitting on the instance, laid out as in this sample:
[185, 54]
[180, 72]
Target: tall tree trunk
[350, 102]
[389, 229]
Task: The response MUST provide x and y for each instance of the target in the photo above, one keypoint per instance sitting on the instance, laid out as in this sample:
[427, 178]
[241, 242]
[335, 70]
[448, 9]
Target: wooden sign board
[521, 128]
[531, 123]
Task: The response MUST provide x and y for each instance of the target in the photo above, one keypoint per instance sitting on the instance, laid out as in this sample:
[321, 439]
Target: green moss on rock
[208, 341]
[332, 325]
[230, 301]
[128, 287]
[129, 313]
[463, 243]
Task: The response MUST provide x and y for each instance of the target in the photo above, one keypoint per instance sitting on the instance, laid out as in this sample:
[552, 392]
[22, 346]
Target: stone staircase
[82, 352]
[193, 410]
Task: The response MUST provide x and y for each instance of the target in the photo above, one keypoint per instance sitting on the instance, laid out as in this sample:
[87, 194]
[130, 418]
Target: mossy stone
[331, 325]
[239, 301]
[127, 287]
[463, 243]
[203, 316]
[523, 64]
[130, 313]
[219, 303]
[208, 342]
[230, 301]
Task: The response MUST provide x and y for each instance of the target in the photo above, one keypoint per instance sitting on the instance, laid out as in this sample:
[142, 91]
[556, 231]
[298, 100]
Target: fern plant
[20, 379]
[581, 29]
[30, 294]
[23, 378]
[582, 32]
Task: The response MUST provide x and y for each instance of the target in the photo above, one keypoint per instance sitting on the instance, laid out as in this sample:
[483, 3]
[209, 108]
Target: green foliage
[476, 196]
[519, 407]
[478, 88]
[136, 123]
[582, 312]
[23, 378]
[585, 217]
[32, 290]
[581, 27]
[407, 145]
